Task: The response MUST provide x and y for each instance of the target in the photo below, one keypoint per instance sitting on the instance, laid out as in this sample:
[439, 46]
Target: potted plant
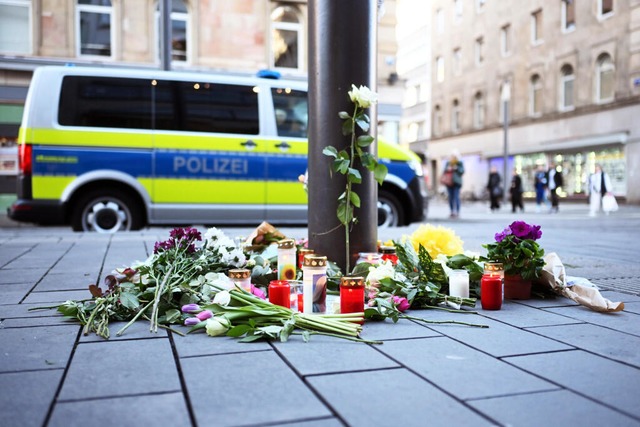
[522, 256]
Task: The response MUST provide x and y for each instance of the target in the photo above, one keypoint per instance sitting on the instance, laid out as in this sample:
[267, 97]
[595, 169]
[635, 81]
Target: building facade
[207, 35]
[567, 74]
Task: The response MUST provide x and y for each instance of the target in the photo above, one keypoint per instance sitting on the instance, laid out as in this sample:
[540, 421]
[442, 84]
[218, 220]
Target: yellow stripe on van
[50, 187]
[286, 193]
[89, 138]
[208, 191]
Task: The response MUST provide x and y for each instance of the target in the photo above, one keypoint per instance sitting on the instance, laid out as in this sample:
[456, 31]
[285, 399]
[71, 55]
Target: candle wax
[491, 292]
[280, 294]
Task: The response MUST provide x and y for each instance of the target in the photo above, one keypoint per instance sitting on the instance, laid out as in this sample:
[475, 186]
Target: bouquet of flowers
[517, 249]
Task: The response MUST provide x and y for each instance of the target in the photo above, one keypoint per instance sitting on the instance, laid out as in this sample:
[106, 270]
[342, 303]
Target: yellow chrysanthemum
[437, 240]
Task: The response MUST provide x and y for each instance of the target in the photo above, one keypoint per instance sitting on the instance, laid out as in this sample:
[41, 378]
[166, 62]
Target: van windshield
[291, 110]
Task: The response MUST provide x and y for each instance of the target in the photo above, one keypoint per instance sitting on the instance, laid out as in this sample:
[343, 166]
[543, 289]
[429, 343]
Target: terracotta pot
[515, 287]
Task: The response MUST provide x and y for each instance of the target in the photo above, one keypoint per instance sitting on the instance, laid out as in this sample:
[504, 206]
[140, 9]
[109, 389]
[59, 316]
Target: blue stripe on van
[76, 161]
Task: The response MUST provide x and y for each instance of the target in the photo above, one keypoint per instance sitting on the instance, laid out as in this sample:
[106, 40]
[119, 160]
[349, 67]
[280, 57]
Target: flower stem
[442, 322]
[450, 310]
[136, 317]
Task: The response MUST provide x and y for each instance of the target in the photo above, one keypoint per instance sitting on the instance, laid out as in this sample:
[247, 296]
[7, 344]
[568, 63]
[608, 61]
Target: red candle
[491, 292]
[351, 295]
[280, 293]
[389, 253]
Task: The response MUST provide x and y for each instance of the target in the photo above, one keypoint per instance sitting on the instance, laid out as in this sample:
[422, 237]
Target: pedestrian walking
[554, 181]
[540, 185]
[494, 185]
[452, 179]
[599, 186]
[516, 192]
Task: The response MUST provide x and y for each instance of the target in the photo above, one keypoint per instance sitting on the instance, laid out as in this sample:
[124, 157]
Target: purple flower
[177, 233]
[191, 308]
[536, 233]
[402, 304]
[191, 321]
[520, 229]
[258, 292]
[204, 315]
[504, 233]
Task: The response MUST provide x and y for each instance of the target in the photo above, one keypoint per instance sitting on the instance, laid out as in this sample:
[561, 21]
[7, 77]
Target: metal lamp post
[505, 96]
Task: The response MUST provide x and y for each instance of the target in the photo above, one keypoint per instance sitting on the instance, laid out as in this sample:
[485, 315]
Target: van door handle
[283, 146]
[249, 144]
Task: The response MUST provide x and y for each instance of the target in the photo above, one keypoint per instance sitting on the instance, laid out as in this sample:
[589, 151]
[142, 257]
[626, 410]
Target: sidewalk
[541, 362]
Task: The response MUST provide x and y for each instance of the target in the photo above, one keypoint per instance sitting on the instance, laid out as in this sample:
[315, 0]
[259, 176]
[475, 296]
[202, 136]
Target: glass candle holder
[351, 295]
[286, 259]
[314, 284]
[389, 253]
[459, 283]
[280, 293]
[296, 297]
[491, 291]
[369, 257]
[241, 277]
[494, 269]
[301, 254]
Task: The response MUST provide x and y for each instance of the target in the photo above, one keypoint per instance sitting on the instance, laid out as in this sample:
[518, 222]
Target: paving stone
[14, 293]
[10, 251]
[123, 254]
[596, 339]
[346, 356]
[601, 379]
[620, 296]
[632, 307]
[25, 322]
[167, 409]
[84, 259]
[554, 408]
[11, 311]
[200, 344]
[63, 282]
[217, 384]
[387, 330]
[620, 321]
[461, 370]
[21, 275]
[44, 255]
[498, 339]
[45, 347]
[137, 330]
[116, 368]
[324, 422]
[394, 397]
[523, 316]
[552, 301]
[26, 396]
[50, 298]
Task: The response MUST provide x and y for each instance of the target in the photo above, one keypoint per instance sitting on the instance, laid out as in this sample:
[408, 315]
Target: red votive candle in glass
[301, 253]
[351, 295]
[280, 293]
[389, 253]
[491, 292]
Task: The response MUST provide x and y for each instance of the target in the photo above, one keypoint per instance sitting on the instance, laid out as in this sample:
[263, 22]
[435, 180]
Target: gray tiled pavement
[542, 362]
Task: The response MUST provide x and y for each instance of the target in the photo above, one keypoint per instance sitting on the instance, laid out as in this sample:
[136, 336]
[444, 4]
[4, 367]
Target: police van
[113, 149]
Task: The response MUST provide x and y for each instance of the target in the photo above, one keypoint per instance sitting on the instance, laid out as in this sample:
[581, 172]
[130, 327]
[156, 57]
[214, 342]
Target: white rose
[222, 298]
[363, 96]
[383, 271]
[217, 326]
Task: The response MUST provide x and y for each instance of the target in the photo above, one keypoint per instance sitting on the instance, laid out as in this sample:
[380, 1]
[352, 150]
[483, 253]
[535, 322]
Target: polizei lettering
[210, 166]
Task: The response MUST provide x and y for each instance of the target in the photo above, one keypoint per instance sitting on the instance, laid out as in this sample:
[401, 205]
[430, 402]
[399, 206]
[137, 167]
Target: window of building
[480, 5]
[478, 111]
[568, 15]
[457, 11]
[180, 30]
[536, 27]
[94, 35]
[535, 95]
[605, 78]
[286, 38]
[605, 8]
[505, 86]
[505, 40]
[413, 130]
[439, 69]
[437, 121]
[440, 21]
[291, 110]
[566, 87]
[15, 26]
[457, 61]
[478, 53]
[455, 116]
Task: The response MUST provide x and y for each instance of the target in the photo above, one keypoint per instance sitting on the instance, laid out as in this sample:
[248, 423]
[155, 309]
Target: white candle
[459, 283]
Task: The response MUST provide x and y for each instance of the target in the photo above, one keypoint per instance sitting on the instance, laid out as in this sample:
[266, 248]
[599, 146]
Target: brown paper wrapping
[554, 276]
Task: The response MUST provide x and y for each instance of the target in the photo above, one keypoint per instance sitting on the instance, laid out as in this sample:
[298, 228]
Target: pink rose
[402, 304]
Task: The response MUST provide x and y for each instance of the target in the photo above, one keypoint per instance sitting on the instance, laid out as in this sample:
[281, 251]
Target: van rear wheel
[390, 211]
[106, 212]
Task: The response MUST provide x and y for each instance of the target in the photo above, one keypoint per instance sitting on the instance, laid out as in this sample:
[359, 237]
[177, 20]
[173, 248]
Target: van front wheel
[390, 211]
[106, 212]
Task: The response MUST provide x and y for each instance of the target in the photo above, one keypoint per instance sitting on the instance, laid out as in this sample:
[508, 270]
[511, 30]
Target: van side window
[291, 112]
[206, 107]
[105, 102]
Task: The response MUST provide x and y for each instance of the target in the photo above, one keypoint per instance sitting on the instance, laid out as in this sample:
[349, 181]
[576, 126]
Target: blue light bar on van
[269, 74]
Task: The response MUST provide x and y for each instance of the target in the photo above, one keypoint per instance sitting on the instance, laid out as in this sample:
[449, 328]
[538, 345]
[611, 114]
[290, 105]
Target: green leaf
[364, 140]
[252, 338]
[238, 331]
[129, 300]
[363, 123]
[341, 165]
[354, 176]
[172, 315]
[347, 128]
[344, 115]
[330, 151]
[380, 172]
[306, 335]
[344, 212]
[355, 199]
[368, 161]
